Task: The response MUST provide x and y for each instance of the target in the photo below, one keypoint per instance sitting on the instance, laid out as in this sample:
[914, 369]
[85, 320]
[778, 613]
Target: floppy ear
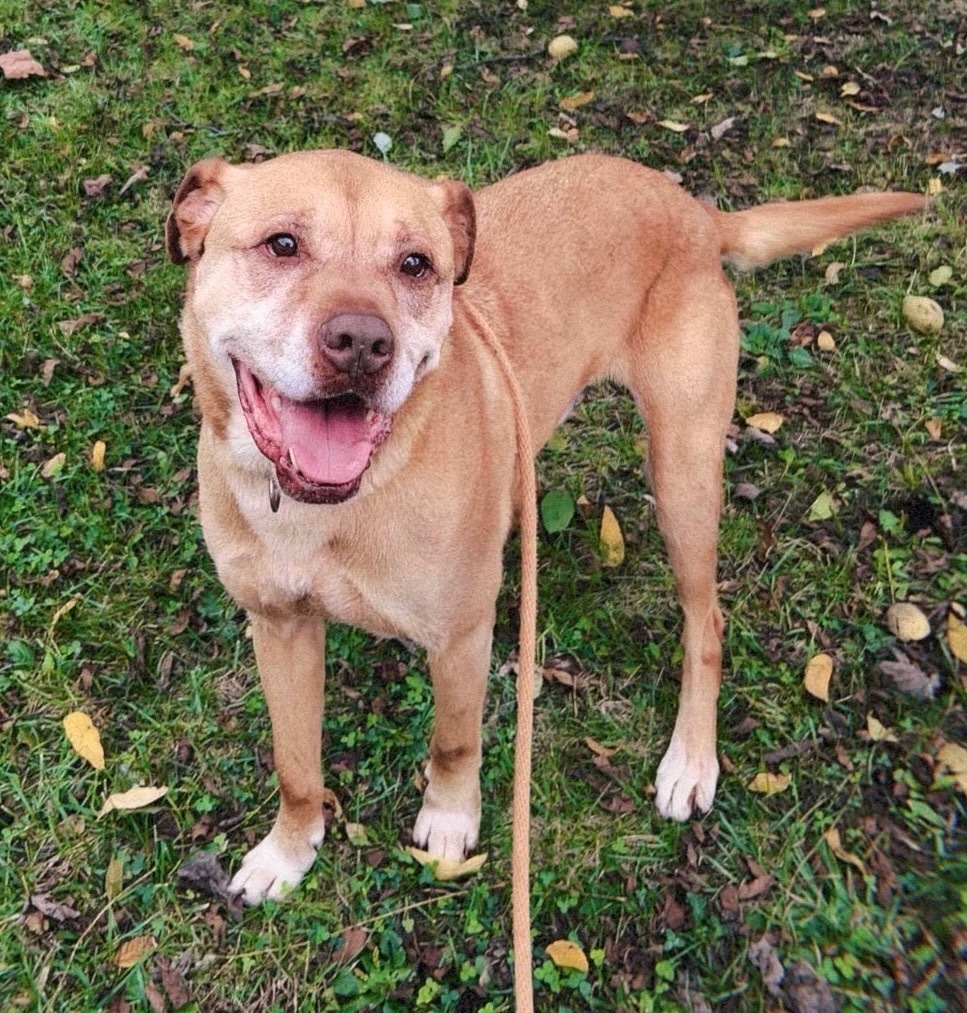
[198, 198]
[456, 203]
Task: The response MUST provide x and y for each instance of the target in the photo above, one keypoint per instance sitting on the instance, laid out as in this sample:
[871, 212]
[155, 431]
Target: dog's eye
[282, 245]
[416, 265]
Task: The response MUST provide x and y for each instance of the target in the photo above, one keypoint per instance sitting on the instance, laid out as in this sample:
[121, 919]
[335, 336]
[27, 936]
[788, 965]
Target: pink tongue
[331, 441]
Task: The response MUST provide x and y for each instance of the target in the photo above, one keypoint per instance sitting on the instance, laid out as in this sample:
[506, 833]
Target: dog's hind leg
[291, 660]
[448, 825]
[682, 372]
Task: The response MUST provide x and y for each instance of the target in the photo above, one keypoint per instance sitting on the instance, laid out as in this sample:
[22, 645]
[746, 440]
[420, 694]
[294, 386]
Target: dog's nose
[357, 343]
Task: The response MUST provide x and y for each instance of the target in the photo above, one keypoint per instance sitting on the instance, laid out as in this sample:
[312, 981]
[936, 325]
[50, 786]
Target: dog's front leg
[448, 825]
[291, 659]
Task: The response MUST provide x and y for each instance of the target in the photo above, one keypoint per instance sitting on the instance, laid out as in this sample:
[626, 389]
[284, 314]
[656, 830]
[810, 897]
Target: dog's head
[321, 286]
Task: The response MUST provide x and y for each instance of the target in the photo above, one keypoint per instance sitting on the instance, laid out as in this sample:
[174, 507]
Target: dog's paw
[273, 869]
[685, 782]
[446, 833]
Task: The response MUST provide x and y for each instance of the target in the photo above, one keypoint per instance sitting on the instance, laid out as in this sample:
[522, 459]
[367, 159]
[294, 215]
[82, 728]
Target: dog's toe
[685, 782]
[270, 871]
[446, 833]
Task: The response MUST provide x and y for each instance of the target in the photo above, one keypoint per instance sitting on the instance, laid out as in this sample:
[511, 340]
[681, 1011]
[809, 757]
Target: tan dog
[356, 460]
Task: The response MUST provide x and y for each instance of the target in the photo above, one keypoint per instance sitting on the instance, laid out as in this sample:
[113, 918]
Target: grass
[109, 603]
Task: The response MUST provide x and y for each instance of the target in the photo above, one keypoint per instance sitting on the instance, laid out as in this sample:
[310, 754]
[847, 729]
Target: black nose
[357, 343]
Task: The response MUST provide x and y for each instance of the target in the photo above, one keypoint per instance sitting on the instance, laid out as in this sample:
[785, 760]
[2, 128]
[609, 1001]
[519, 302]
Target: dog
[356, 458]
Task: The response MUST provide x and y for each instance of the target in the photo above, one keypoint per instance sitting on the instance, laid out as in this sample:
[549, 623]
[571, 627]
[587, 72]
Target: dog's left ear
[456, 204]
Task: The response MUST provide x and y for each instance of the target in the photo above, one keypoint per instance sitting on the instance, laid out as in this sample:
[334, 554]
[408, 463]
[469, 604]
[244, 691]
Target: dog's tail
[756, 237]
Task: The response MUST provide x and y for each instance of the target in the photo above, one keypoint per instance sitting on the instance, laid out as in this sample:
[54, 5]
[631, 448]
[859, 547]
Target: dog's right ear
[196, 201]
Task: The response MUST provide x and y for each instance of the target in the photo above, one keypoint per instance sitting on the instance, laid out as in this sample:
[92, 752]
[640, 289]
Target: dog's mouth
[321, 448]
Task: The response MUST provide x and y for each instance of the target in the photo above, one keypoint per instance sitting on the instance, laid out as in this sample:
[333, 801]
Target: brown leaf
[70, 261]
[133, 950]
[722, 127]
[756, 887]
[174, 986]
[564, 953]
[183, 42]
[910, 678]
[70, 327]
[351, 945]
[53, 909]
[804, 991]
[18, 64]
[832, 839]
[96, 186]
[764, 958]
[155, 999]
[957, 636]
[819, 671]
[204, 873]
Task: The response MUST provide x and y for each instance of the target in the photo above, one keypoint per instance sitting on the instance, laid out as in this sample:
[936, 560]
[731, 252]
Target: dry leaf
[823, 507]
[184, 378]
[97, 455]
[768, 422]
[831, 837]
[818, 673]
[561, 47]
[781, 142]
[54, 465]
[576, 101]
[878, 731]
[948, 364]
[954, 757]
[832, 272]
[933, 427]
[606, 751]
[18, 64]
[620, 12]
[445, 869]
[906, 622]
[24, 420]
[674, 126]
[84, 737]
[96, 186]
[910, 678]
[114, 878]
[825, 342]
[829, 118]
[351, 945]
[957, 636]
[184, 42]
[133, 798]
[849, 88]
[767, 783]
[934, 186]
[922, 313]
[133, 950]
[564, 953]
[722, 127]
[612, 541]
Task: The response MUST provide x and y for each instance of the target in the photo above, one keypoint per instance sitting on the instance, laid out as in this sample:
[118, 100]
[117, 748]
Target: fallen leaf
[70, 327]
[823, 507]
[763, 957]
[933, 427]
[746, 490]
[953, 756]
[24, 420]
[781, 142]
[767, 783]
[674, 126]
[906, 622]
[768, 422]
[96, 186]
[203, 872]
[184, 378]
[849, 88]
[611, 540]
[451, 135]
[85, 739]
[620, 12]
[50, 908]
[940, 275]
[701, 99]
[910, 678]
[722, 127]
[114, 878]
[132, 951]
[878, 731]
[53, 466]
[829, 118]
[922, 314]
[356, 835]
[756, 887]
[934, 186]
[445, 869]
[70, 261]
[564, 953]
[573, 102]
[557, 509]
[133, 798]
[19, 64]
[819, 671]
[832, 839]
[948, 364]
[350, 946]
[184, 42]
[829, 71]
[825, 342]
[561, 47]
[957, 636]
[97, 455]
[833, 271]
[598, 749]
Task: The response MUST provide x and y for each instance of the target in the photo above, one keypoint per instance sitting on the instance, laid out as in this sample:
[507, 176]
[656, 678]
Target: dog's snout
[357, 343]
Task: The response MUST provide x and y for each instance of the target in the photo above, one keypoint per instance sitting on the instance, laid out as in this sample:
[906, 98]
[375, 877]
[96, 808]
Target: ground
[109, 605]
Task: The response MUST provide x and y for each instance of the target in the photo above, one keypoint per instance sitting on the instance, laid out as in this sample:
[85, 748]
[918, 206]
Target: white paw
[685, 782]
[447, 833]
[273, 868]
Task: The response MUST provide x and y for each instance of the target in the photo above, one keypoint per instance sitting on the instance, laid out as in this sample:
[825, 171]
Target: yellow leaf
[612, 541]
[825, 342]
[54, 466]
[934, 186]
[25, 419]
[829, 118]
[132, 951]
[61, 612]
[561, 47]
[957, 636]
[97, 455]
[444, 868]
[932, 425]
[84, 737]
[954, 757]
[564, 953]
[184, 42]
[818, 673]
[620, 12]
[573, 102]
[906, 622]
[133, 798]
[674, 126]
[849, 88]
[823, 507]
[599, 750]
[768, 422]
[114, 877]
[781, 142]
[831, 837]
[832, 272]
[769, 784]
[878, 731]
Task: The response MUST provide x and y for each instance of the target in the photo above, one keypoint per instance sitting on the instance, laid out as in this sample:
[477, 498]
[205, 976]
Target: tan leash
[527, 648]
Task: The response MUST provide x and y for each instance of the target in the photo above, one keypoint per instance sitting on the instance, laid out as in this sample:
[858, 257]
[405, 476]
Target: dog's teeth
[277, 402]
[292, 460]
[275, 493]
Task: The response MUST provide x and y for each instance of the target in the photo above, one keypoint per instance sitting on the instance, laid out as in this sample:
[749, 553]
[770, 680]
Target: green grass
[157, 655]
